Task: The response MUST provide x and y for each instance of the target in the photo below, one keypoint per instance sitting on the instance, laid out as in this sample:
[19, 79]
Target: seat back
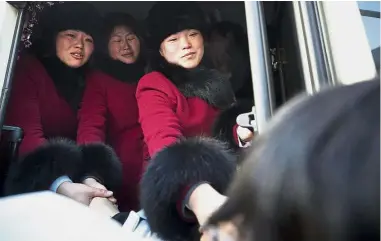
[11, 137]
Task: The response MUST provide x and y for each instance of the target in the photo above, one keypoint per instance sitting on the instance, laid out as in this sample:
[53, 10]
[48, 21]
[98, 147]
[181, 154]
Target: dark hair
[315, 174]
[114, 19]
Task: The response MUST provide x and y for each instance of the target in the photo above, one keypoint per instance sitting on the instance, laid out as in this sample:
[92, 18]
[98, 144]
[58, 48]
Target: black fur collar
[129, 73]
[202, 82]
[69, 82]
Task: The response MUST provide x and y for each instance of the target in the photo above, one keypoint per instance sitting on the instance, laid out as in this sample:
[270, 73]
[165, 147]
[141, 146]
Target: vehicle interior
[282, 43]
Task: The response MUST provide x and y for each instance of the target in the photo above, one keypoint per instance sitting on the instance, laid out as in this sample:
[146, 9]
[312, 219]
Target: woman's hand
[81, 192]
[244, 134]
[204, 200]
[91, 182]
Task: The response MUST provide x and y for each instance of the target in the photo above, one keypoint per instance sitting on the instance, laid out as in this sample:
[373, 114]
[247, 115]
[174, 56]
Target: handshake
[90, 188]
[86, 191]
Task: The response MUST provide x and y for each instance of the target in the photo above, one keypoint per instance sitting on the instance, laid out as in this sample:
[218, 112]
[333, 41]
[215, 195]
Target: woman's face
[185, 48]
[74, 48]
[124, 45]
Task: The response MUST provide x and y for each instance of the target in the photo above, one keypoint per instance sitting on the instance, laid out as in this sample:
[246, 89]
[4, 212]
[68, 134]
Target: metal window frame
[346, 43]
[18, 5]
[317, 72]
[5, 92]
[260, 62]
[370, 13]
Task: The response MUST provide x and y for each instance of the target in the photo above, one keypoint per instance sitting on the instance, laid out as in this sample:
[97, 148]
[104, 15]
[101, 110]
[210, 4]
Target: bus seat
[11, 137]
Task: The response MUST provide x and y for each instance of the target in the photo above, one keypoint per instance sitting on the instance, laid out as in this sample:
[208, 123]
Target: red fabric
[180, 205]
[36, 106]
[165, 114]
[109, 113]
[235, 134]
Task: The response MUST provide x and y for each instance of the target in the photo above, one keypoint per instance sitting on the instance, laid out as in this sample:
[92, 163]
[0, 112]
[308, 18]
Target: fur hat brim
[167, 18]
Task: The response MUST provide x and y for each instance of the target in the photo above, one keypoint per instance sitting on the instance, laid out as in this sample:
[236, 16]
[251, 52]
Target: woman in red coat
[46, 94]
[181, 99]
[109, 110]
[48, 84]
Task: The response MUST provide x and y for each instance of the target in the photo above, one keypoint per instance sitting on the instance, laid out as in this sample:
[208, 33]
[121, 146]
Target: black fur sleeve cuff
[101, 163]
[174, 168]
[37, 170]
[223, 126]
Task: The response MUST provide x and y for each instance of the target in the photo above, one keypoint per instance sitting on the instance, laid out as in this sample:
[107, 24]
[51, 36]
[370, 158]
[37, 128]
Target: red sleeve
[157, 103]
[23, 109]
[235, 134]
[93, 112]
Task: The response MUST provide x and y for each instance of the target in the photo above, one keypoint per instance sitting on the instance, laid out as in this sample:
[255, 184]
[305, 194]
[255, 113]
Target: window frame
[11, 25]
[346, 43]
[260, 63]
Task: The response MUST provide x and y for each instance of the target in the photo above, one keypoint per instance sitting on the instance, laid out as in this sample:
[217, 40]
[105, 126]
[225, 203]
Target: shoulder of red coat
[98, 75]
[28, 62]
[100, 78]
[155, 80]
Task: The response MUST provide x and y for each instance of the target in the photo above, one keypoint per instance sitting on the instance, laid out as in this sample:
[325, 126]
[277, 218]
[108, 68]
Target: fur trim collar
[70, 83]
[128, 73]
[202, 82]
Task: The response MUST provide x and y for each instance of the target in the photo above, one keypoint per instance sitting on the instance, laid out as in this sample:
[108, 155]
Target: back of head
[315, 174]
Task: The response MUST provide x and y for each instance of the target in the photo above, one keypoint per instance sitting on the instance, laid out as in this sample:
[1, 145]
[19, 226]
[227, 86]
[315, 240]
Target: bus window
[370, 14]
[11, 19]
[346, 41]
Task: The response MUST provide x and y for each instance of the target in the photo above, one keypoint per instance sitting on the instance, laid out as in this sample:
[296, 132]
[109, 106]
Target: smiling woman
[182, 99]
[185, 48]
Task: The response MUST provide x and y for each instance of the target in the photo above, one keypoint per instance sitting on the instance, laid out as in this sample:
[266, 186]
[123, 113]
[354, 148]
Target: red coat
[165, 114]
[187, 103]
[36, 106]
[109, 113]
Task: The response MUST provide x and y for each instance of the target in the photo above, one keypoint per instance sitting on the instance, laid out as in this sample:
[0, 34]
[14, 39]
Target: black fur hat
[114, 19]
[166, 18]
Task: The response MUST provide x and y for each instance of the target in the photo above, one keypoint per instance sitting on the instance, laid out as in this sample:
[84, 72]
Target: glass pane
[369, 5]
[371, 19]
